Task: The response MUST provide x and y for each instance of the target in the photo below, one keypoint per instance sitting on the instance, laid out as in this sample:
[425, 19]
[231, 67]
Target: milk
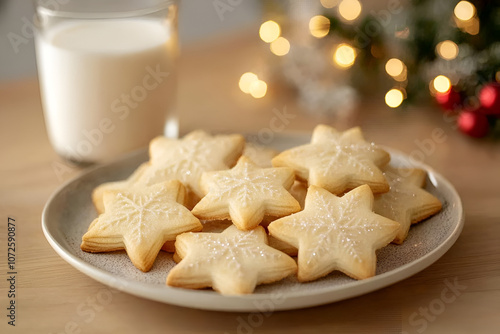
[107, 86]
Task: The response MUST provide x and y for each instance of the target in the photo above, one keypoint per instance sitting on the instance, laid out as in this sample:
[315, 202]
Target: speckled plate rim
[208, 300]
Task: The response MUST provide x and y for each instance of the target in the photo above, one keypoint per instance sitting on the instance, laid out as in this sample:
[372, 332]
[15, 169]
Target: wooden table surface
[54, 297]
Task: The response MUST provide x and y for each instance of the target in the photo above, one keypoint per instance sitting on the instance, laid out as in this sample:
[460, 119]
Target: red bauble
[450, 100]
[473, 124]
[489, 96]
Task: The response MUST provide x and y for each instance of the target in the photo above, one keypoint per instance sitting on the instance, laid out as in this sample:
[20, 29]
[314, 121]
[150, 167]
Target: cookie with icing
[246, 193]
[97, 194]
[187, 158]
[337, 161]
[233, 262]
[140, 221]
[406, 202]
[336, 233]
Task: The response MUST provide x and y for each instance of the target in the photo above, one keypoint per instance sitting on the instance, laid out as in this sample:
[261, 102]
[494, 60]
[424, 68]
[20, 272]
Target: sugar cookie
[282, 246]
[337, 161]
[233, 262]
[98, 192]
[336, 233]
[140, 220]
[246, 193]
[187, 158]
[406, 202]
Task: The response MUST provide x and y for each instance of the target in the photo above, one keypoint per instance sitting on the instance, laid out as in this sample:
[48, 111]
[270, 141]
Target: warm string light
[396, 69]
[471, 27]
[440, 84]
[319, 26]
[280, 47]
[464, 11]
[250, 84]
[447, 50]
[350, 9]
[246, 80]
[258, 89]
[394, 97]
[344, 56]
[269, 31]
[466, 18]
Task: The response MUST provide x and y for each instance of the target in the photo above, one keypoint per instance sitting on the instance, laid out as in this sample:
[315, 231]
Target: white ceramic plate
[69, 212]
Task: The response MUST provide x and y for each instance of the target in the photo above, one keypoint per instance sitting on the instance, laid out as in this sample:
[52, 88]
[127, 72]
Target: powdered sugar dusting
[337, 226]
[231, 251]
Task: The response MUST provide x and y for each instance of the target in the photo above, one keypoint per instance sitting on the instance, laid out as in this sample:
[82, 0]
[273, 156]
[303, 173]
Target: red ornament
[473, 124]
[489, 96]
[449, 101]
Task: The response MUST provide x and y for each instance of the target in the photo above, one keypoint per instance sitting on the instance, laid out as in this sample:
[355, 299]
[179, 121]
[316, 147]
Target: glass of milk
[107, 74]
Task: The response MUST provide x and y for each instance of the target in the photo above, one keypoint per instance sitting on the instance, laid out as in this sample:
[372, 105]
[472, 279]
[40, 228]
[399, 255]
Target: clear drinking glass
[107, 74]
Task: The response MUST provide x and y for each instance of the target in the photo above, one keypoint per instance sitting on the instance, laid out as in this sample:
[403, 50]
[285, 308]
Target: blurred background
[198, 21]
[328, 54]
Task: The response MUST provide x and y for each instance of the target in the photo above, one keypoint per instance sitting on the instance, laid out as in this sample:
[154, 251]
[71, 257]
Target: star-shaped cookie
[336, 233]
[97, 194]
[406, 202]
[140, 220]
[233, 262]
[337, 161]
[187, 158]
[246, 193]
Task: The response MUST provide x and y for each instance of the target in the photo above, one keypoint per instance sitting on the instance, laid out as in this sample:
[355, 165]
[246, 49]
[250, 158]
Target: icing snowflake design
[136, 212]
[323, 225]
[143, 217]
[184, 162]
[400, 200]
[328, 159]
[337, 161]
[140, 220]
[336, 226]
[187, 159]
[246, 193]
[232, 251]
[247, 185]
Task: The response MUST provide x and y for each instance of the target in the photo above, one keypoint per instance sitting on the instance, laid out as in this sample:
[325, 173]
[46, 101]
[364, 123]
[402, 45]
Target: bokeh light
[258, 89]
[319, 26]
[329, 3]
[447, 50]
[472, 26]
[269, 31]
[441, 84]
[344, 55]
[394, 98]
[246, 80]
[280, 47]
[350, 9]
[394, 67]
[464, 11]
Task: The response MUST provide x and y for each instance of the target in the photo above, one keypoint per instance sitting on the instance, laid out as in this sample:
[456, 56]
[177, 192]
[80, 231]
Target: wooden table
[53, 297]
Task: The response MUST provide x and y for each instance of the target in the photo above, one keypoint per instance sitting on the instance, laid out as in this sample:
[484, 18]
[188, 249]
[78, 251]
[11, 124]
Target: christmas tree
[448, 51]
